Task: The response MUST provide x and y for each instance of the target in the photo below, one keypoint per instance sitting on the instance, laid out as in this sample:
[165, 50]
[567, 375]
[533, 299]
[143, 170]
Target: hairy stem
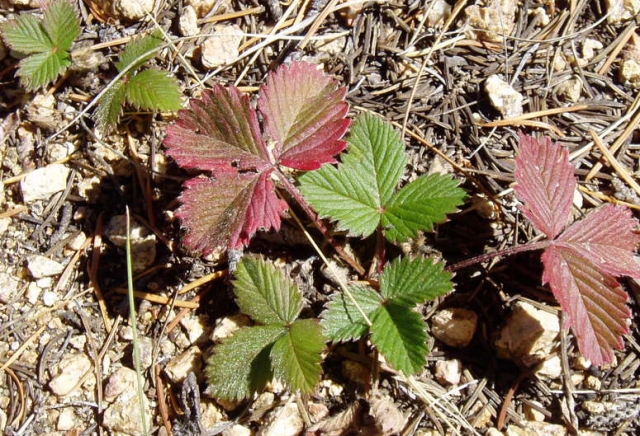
[298, 197]
[499, 253]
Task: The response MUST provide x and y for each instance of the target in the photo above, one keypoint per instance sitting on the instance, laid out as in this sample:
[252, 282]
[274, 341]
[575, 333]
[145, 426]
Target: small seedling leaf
[227, 211]
[154, 90]
[408, 282]
[136, 48]
[265, 294]
[240, 365]
[545, 183]
[342, 321]
[110, 106]
[419, 205]
[400, 335]
[62, 24]
[26, 35]
[296, 356]
[593, 301]
[304, 115]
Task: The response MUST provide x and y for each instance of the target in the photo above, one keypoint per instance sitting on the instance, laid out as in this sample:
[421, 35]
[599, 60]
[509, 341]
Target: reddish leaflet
[582, 261]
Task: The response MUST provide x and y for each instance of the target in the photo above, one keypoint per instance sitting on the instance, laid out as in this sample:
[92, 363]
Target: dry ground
[398, 59]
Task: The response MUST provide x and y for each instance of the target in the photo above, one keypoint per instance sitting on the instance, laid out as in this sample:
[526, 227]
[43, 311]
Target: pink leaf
[545, 183]
[304, 114]
[606, 237]
[219, 132]
[227, 211]
[593, 301]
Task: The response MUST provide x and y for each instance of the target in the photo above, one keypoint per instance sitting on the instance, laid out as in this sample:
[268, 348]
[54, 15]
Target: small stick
[154, 298]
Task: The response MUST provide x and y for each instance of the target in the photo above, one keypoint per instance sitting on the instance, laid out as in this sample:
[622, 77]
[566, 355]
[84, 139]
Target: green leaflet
[110, 106]
[286, 347]
[342, 321]
[139, 47]
[413, 281]
[360, 193]
[62, 24]
[154, 90]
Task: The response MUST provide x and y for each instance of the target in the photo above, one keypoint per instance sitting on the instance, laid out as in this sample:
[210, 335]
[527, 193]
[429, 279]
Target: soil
[421, 70]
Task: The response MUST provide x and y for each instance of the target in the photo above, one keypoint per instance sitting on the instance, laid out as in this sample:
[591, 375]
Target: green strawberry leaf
[110, 106]
[153, 90]
[26, 35]
[62, 24]
[342, 321]
[400, 335]
[139, 47]
[408, 282]
[39, 69]
[265, 294]
[359, 192]
[296, 356]
[240, 366]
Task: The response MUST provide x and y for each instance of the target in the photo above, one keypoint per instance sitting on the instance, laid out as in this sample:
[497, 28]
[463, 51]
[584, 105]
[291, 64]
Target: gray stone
[42, 183]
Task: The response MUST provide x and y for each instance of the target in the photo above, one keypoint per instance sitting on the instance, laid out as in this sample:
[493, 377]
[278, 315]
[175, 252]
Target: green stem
[499, 253]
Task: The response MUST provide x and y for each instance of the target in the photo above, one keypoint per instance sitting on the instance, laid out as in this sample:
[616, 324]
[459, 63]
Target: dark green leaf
[240, 365]
[26, 35]
[110, 106]
[41, 68]
[342, 321]
[62, 24]
[153, 90]
[265, 294]
[139, 47]
[296, 356]
[408, 282]
[399, 333]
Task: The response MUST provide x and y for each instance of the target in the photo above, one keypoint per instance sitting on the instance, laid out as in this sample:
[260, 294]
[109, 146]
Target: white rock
[581, 363]
[284, 421]
[42, 183]
[532, 411]
[454, 326]
[50, 298]
[89, 189]
[71, 369]
[621, 10]
[8, 287]
[67, 419]
[203, 7]
[188, 23]
[550, 368]
[532, 428]
[6, 221]
[387, 414]
[178, 368]
[40, 266]
[593, 383]
[210, 415]
[193, 324]
[228, 325]
[438, 11]
[237, 430]
[3, 420]
[529, 335]
[448, 371]
[630, 73]
[503, 97]
[491, 21]
[123, 416]
[33, 293]
[493, 432]
[570, 89]
[221, 48]
[76, 243]
[123, 379]
[590, 47]
[133, 10]
[143, 242]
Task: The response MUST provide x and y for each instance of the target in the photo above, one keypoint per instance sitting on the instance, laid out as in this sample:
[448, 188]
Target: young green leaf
[240, 365]
[296, 356]
[153, 90]
[110, 106]
[265, 294]
[139, 47]
[359, 192]
[26, 35]
[39, 69]
[62, 24]
[342, 321]
[400, 335]
[413, 281]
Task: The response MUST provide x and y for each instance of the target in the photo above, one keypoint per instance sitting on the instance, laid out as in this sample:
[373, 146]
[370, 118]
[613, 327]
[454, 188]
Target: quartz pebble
[491, 20]
[178, 368]
[188, 23]
[222, 47]
[42, 183]
[619, 11]
[133, 10]
[448, 371]
[454, 326]
[503, 97]
[284, 421]
[8, 287]
[71, 369]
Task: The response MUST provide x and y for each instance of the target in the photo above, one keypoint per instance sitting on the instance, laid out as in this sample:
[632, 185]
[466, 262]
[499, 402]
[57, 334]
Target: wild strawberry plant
[149, 89]
[582, 260]
[45, 44]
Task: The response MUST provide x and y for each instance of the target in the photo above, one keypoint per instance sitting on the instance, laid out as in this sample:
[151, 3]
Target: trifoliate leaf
[408, 282]
[419, 205]
[39, 69]
[296, 356]
[359, 192]
[265, 294]
[304, 114]
[400, 335]
[26, 35]
[110, 106]
[342, 321]
[153, 90]
[240, 365]
[62, 24]
[137, 48]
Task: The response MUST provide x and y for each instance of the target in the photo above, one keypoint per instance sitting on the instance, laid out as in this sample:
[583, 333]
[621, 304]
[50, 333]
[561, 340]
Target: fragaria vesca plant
[46, 44]
[581, 261]
[150, 89]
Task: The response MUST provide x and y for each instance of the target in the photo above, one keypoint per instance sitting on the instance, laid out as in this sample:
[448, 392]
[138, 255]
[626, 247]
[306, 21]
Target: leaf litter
[381, 52]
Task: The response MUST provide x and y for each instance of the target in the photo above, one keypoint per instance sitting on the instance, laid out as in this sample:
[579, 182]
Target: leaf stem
[299, 198]
[499, 253]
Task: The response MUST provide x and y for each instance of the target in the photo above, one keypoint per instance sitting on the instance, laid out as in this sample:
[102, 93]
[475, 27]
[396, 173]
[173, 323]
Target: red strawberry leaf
[304, 114]
[227, 211]
[220, 132]
[545, 183]
[607, 239]
[593, 301]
